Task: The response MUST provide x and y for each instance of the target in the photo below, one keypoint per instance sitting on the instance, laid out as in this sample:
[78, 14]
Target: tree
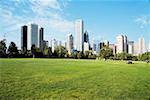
[12, 50]
[106, 52]
[124, 56]
[47, 52]
[60, 51]
[80, 55]
[144, 56]
[33, 50]
[74, 54]
[3, 48]
[86, 54]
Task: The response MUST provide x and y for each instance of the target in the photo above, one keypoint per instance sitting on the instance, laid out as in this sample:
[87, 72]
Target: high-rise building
[40, 37]
[100, 46]
[32, 37]
[24, 30]
[86, 37]
[31, 34]
[141, 44]
[70, 43]
[45, 44]
[136, 49]
[125, 48]
[79, 32]
[54, 44]
[131, 47]
[86, 46]
[120, 43]
[94, 47]
[113, 47]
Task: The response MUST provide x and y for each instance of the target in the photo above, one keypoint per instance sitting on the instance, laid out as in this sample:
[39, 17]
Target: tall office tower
[24, 30]
[32, 37]
[86, 37]
[125, 48]
[79, 32]
[86, 46]
[100, 46]
[120, 43]
[113, 47]
[54, 44]
[141, 45]
[45, 44]
[86, 41]
[136, 49]
[106, 42]
[131, 47]
[40, 38]
[70, 43]
[94, 47]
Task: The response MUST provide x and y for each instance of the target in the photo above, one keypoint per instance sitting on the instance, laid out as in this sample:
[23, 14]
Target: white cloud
[143, 21]
[46, 13]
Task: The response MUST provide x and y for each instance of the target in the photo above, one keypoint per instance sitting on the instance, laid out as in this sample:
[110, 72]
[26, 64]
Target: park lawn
[69, 79]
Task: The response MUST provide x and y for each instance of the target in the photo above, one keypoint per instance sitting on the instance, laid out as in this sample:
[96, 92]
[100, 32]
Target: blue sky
[104, 18]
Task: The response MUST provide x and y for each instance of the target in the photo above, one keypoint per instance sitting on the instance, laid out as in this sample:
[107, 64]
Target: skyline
[104, 19]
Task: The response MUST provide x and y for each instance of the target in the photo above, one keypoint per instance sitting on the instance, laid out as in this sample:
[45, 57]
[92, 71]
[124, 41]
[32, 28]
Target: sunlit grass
[73, 79]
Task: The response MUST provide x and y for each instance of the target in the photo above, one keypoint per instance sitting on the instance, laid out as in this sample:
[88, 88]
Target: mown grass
[68, 79]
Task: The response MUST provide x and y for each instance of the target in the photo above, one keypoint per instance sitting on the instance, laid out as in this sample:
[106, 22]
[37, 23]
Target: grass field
[63, 79]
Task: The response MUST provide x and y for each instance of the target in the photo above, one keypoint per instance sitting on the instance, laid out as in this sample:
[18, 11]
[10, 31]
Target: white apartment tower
[79, 34]
[35, 36]
[141, 45]
[32, 37]
[70, 43]
[120, 43]
[131, 47]
[125, 48]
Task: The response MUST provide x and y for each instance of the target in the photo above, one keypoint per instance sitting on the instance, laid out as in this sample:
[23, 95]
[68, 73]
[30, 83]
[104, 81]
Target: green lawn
[66, 79]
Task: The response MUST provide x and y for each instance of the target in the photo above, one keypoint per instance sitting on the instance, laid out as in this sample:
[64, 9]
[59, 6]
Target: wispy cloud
[143, 21]
[46, 13]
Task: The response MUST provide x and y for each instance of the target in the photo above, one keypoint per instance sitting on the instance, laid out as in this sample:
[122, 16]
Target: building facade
[131, 47]
[24, 33]
[70, 43]
[113, 47]
[79, 33]
[125, 48]
[31, 35]
[141, 45]
[40, 38]
[120, 43]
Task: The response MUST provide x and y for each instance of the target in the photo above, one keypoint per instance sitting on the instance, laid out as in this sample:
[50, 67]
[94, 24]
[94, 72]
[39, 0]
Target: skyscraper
[54, 44]
[86, 37]
[141, 45]
[86, 44]
[79, 33]
[125, 48]
[40, 37]
[131, 47]
[113, 47]
[32, 37]
[24, 33]
[120, 43]
[99, 47]
[31, 34]
[136, 49]
[70, 43]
